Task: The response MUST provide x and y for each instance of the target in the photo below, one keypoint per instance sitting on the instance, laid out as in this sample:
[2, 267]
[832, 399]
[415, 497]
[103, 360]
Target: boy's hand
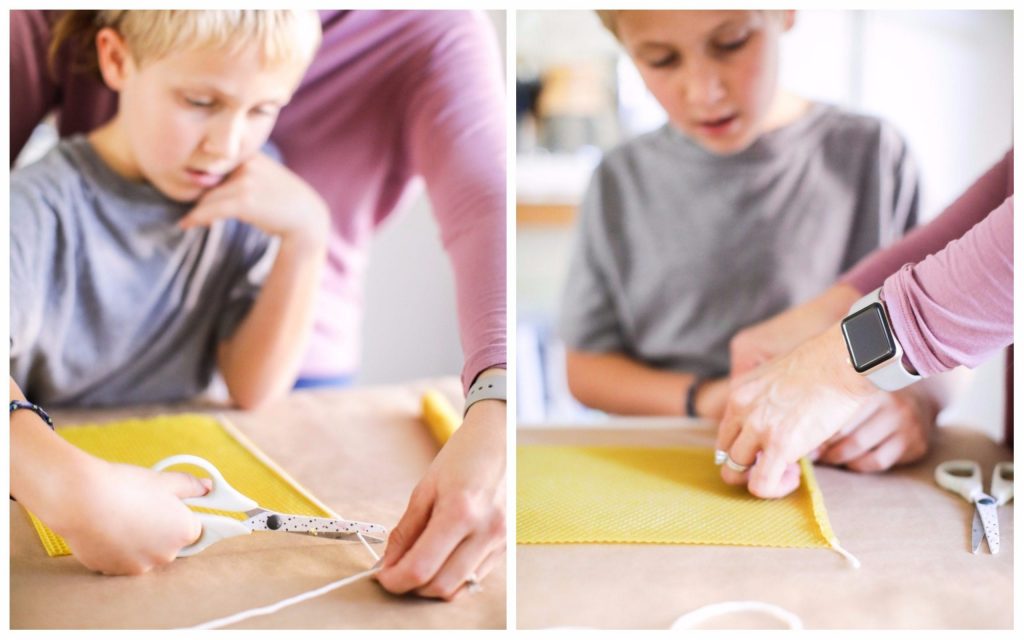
[711, 398]
[267, 195]
[125, 520]
[891, 429]
[454, 526]
[780, 334]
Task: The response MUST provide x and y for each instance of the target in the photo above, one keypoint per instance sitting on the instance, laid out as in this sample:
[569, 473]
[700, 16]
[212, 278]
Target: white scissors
[222, 496]
[964, 477]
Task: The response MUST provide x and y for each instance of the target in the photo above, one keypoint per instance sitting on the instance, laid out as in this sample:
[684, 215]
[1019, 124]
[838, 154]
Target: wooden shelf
[545, 214]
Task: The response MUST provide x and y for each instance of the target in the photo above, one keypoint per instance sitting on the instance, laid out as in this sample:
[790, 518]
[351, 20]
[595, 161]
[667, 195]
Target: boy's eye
[199, 102]
[661, 62]
[733, 44]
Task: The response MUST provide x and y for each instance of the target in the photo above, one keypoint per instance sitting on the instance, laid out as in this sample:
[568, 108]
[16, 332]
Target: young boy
[748, 201]
[156, 250]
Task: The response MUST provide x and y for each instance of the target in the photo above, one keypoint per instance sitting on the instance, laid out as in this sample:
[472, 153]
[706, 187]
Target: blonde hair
[607, 17]
[280, 36]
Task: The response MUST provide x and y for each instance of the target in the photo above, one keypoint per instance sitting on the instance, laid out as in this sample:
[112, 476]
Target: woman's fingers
[445, 530]
[409, 528]
[772, 476]
[742, 453]
[460, 566]
[728, 428]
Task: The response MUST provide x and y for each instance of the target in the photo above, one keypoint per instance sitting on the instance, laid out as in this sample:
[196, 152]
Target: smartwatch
[874, 350]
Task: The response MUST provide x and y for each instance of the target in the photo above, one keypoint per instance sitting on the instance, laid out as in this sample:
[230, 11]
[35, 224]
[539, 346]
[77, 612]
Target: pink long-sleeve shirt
[948, 285]
[391, 96]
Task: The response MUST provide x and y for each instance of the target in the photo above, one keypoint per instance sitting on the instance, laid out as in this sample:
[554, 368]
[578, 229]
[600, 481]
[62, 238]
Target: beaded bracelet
[21, 404]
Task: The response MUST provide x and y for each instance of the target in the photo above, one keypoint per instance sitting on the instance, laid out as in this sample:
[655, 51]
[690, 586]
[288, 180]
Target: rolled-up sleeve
[955, 307]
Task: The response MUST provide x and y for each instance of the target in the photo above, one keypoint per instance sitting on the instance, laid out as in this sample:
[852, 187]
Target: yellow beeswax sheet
[656, 496]
[146, 442]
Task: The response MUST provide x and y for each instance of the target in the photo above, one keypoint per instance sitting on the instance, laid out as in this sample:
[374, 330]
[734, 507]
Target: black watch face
[867, 337]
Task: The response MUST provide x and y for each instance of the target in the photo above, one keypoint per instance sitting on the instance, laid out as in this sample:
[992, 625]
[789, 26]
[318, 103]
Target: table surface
[911, 537]
[360, 451]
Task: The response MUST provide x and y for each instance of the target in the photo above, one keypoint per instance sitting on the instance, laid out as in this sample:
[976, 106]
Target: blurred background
[943, 78]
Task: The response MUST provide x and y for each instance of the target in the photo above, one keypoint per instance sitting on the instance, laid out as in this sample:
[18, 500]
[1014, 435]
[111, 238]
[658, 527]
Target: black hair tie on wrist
[691, 396]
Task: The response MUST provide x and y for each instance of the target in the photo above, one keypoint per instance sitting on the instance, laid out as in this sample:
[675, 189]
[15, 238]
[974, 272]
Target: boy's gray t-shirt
[111, 303]
[678, 248]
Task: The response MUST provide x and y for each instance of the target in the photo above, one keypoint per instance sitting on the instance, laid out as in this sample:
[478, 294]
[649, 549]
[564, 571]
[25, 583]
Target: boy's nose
[224, 137]
[703, 85]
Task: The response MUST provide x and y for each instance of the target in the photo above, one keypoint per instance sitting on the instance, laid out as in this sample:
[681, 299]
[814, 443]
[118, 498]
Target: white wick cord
[692, 619]
[309, 595]
[277, 606]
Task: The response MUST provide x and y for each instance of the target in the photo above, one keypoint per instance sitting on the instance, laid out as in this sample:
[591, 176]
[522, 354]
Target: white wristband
[489, 387]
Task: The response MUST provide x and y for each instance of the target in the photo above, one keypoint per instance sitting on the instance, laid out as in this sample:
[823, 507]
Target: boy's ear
[788, 19]
[113, 58]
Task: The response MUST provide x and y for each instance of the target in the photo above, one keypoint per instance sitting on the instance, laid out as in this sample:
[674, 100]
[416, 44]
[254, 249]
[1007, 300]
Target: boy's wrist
[709, 399]
[50, 476]
[312, 234]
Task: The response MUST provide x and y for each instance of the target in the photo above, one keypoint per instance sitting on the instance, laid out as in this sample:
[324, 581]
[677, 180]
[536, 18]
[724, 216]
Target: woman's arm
[454, 527]
[455, 116]
[982, 197]
[956, 307]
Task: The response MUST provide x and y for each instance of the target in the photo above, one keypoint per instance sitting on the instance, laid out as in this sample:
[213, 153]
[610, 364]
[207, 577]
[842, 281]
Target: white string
[302, 597]
[850, 558]
[697, 616]
[376, 557]
[277, 606]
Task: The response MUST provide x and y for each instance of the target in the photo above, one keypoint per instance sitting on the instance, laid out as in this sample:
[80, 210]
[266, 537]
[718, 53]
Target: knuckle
[440, 589]
[496, 524]
[398, 537]
[866, 464]
[464, 509]
[420, 573]
[137, 568]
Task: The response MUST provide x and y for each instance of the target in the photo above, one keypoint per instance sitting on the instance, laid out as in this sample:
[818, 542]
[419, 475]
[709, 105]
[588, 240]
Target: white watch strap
[891, 374]
[489, 387]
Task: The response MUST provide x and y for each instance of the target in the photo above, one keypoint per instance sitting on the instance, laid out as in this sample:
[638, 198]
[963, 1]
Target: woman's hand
[453, 530]
[788, 408]
[120, 519]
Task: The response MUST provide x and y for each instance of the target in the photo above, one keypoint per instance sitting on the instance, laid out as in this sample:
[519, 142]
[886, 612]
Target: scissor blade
[985, 511]
[977, 531]
[339, 535]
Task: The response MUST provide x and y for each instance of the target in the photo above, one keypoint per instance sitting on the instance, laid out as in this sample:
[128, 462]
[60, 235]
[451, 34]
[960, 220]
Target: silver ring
[473, 584]
[720, 457]
[735, 466]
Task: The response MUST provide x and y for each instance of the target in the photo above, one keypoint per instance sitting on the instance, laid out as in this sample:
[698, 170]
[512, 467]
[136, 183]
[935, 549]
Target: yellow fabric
[146, 442]
[440, 416]
[655, 496]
